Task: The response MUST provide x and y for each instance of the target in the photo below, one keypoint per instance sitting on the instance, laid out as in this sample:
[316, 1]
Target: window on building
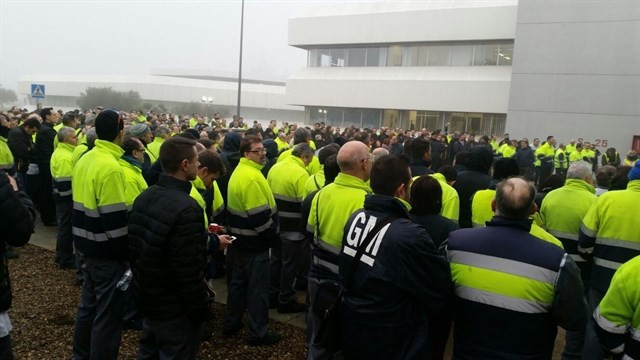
[376, 56]
[461, 55]
[338, 57]
[486, 54]
[371, 118]
[439, 55]
[352, 116]
[356, 56]
[415, 56]
[506, 55]
[394, 55]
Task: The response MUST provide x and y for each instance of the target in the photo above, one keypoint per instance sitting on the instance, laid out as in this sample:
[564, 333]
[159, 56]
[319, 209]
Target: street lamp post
[240, 60]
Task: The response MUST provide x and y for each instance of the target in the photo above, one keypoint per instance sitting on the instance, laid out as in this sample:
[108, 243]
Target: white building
[562, 69]
[261, 100]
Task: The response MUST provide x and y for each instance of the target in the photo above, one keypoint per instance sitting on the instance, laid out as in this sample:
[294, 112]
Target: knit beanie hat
[634, 174]
[108, 125]
[139, 130]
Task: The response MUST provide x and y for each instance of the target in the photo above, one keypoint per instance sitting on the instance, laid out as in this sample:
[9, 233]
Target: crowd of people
[396, 236]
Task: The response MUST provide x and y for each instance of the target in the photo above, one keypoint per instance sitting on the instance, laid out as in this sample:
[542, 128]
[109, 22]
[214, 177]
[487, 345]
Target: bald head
[515, 198]
[350, 159]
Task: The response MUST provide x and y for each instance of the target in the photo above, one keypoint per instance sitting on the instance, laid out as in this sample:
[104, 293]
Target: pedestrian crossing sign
[37, 91]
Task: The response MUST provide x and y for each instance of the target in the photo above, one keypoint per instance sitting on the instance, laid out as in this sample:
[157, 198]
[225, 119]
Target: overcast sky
[135, 37]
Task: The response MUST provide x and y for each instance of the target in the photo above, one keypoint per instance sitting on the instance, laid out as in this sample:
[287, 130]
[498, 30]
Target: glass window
[352, 117]
[486, 55]
[376, 56]
[506, 54]
[371, 118]
[338, 57]
[410, 56]
[356, 56]
[333, 116]
[394, 55]
[461, 55]
[320, 58]
[439, 55]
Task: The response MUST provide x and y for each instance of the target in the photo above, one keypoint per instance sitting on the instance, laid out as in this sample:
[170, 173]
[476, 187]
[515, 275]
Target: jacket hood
[232, 142]
[480, 159]
[272, 148]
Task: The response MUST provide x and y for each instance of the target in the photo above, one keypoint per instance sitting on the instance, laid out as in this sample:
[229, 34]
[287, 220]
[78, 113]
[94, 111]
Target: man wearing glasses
[253, 220]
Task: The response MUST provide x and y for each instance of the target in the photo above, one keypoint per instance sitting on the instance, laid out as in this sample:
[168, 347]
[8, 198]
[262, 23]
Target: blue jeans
[248, 290]
[99, 321]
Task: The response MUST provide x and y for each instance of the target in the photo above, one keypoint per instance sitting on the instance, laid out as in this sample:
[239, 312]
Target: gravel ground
[44, 308]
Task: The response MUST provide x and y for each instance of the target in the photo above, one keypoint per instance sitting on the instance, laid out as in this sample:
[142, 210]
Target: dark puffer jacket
[16, 222]
[475, 178]
[167, 243]
[231, 157]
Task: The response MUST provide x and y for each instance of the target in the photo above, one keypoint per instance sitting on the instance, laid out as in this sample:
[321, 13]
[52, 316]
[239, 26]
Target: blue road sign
[37, 91]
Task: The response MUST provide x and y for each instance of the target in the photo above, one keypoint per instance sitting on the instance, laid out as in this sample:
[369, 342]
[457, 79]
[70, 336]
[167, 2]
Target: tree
[7, 96]
[109, 98]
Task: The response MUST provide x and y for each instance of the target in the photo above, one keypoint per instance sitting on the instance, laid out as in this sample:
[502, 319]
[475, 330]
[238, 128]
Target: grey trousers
[288, 259]
[99, 321]
[169, 339]
[248, 290]
[592, 349]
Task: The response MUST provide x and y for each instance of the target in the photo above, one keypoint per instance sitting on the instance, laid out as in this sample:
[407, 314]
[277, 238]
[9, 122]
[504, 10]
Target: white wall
[451, 88]
[576, 72]
[482, 23]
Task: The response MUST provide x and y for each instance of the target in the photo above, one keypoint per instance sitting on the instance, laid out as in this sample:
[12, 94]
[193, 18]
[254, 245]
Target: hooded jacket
[231, 157]
[272, 155]
[475, 178]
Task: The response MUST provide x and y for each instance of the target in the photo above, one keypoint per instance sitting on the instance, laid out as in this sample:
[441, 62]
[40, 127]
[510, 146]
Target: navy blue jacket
[400, 279]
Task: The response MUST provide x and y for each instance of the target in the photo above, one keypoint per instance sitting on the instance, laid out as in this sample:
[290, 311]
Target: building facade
[406, 65]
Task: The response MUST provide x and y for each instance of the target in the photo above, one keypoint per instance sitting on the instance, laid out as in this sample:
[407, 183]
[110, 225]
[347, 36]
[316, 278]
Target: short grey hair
[161, 131]
[91, 137]
[65, 132]
[302, 149]
[301, 135]
[579, 170]
[378, 153]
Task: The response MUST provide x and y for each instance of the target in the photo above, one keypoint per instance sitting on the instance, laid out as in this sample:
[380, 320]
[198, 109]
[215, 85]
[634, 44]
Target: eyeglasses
[258, 151]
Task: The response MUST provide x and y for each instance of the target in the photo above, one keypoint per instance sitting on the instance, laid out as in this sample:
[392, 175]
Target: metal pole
[240, 61]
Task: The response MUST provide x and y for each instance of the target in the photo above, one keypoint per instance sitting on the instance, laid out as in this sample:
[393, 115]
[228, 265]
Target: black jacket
[22, 147]
[438, 227]
[398, 282]
[16, 223]
[475, 178]
[44, 144]
[168, 251]
[420, 167]
[230, 155]
[525, 157]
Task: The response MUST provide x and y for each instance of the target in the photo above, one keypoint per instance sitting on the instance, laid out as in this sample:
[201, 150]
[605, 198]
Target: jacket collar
[158, 140]
[251, 163]
[579, 185]
[634, 185]
[352, 182]
[47, 124]
[387, 205]
[133, 161]
[295, 160]
[110, 148]
[499, 221]
[198, 183]
[440, 177]
[173, 183]
[66, 146]
[4, 131]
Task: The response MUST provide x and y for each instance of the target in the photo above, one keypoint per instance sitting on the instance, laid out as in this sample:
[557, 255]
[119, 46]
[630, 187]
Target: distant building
[261, 100]
[529, 68]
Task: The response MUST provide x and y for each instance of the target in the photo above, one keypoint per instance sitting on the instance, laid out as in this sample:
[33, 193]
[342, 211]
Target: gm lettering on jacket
[358, 231]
